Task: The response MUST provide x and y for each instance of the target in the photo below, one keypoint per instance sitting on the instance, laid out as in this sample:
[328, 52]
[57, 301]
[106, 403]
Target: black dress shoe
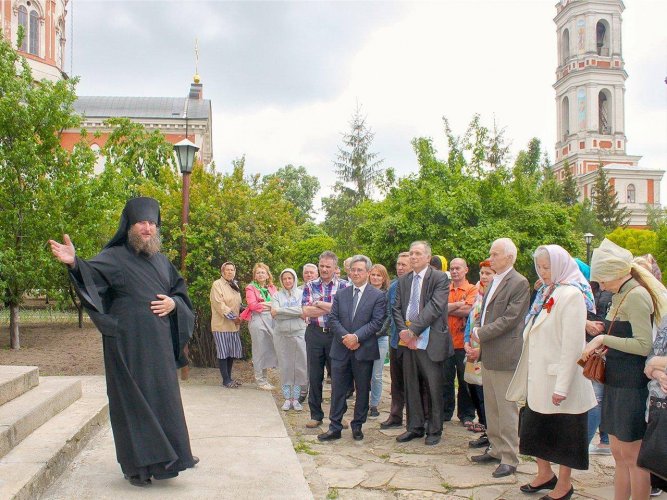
[195, 460]
[484, 459]
[432, 439]
[409, 436]
[567, 495]
[357, 435]
[390, 424]
[549, 485]
[328, 436]
[503, 470]
[480, 442]
[137, 481]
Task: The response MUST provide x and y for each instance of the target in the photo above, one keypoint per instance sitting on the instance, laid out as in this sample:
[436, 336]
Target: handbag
[653, 452]
[594, 366]
[473, 372]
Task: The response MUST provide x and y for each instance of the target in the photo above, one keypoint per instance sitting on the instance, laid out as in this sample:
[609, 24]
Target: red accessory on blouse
[548, 304]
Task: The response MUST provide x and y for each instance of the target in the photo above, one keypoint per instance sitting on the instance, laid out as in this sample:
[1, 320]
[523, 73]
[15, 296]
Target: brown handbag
[594, 367]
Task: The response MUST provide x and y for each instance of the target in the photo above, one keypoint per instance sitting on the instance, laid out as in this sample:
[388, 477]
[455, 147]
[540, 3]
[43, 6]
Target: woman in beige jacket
[554, 422]
[225, 321]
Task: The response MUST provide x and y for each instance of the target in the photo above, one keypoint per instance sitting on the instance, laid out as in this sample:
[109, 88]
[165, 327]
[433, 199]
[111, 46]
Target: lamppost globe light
[185, 154]
[588, 237]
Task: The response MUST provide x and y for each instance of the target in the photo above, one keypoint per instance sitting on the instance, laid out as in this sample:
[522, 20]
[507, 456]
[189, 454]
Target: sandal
[477, 428]
[468, 424]
[231, 385]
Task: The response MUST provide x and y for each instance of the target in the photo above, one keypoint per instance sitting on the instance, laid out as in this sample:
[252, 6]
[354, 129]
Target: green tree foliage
[359, 172]
[298, 187]
[661, 250]
[461, 214]
[637, 241]
[570, 189]
[35, 173]
[606, 205]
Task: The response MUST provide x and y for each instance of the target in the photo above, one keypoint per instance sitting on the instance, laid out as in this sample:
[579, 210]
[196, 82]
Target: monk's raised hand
[163, 306]
[65, 251]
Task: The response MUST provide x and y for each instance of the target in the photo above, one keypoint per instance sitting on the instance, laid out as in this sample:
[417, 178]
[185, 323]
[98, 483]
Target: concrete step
[22, 415]
[16, 380]
[28, 469]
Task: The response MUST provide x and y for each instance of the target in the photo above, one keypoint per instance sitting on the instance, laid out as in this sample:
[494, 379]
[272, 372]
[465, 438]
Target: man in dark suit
[420, 307]
[357, 314]
[499, 330]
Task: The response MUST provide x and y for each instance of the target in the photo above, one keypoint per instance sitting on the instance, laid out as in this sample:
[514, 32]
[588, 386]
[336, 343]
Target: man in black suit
[357, 314]
[420, 307]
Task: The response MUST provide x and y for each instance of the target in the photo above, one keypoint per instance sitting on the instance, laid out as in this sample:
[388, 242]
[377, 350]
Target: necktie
[355, 301]
[413, 305]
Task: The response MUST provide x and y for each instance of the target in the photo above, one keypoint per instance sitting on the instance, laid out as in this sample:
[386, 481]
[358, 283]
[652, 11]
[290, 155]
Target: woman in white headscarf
[289, 339]
[627, 335]
[554, 422]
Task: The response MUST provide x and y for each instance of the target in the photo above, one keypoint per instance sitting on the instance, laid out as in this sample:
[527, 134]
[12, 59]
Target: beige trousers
[502, 417]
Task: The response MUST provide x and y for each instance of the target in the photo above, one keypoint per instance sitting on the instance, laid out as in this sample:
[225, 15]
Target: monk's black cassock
[141, 350]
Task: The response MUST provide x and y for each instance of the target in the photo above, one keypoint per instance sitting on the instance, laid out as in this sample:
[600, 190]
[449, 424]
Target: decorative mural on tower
[581, 31]
[581, 108]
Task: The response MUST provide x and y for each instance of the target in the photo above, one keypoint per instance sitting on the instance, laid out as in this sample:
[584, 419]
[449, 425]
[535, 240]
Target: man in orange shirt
[461, 298]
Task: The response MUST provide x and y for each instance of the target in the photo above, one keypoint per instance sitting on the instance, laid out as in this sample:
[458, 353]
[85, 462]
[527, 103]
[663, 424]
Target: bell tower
[590, 105]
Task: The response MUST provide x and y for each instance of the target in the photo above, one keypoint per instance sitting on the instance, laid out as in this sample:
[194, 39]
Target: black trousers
[398, 388]
[455, 369]
[418, 369]
[318, 345]
[477, 396]
[343, 374]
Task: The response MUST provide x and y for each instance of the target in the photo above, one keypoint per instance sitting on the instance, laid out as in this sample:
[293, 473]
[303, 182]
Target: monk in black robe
[139, 302]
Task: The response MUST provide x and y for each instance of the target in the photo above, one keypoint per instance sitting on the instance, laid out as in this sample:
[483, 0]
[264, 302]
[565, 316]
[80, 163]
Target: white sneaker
[266, 387]
[655, 492]
[287, 405]
[594, 449]
[296, 405]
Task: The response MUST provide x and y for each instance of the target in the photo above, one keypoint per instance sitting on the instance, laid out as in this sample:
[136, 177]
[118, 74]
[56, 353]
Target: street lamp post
[588, 237]
[185, 154]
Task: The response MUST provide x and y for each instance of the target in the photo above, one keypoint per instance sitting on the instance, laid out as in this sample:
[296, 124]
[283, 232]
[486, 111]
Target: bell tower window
[565, 118]
[565, 46]
[30, 23]
[604, 105]
[631, 192]
[602, 38]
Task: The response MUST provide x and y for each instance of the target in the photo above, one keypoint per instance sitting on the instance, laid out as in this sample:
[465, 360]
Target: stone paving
[379, 468]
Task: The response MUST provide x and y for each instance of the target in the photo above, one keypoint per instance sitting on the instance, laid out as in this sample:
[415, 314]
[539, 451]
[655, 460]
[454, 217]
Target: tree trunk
[14, 326]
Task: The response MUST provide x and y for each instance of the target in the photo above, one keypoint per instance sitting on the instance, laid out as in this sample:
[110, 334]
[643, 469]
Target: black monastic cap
[136, 210]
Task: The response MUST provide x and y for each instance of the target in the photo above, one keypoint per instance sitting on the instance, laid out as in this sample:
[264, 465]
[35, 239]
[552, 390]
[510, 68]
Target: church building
[590, 104]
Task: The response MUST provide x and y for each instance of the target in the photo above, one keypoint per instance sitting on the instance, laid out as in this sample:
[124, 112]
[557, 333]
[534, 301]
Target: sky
[285, 78]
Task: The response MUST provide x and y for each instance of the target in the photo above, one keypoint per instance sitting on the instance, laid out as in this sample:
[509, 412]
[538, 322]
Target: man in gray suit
[421, 307]
[357, 314]
[499, 330]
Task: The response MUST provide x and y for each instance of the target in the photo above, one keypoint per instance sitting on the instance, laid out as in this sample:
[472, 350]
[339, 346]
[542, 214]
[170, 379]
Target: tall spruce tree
[605, 204]
[570, 189]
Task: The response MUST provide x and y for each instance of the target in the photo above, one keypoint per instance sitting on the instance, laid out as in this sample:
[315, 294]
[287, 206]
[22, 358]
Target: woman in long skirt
[260, 323]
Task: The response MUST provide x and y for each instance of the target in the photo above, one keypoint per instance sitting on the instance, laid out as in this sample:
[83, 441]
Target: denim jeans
[378, 364]
[595, 415]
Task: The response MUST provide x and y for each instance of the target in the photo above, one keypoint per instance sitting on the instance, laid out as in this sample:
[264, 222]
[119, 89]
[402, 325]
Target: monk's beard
[149, 247]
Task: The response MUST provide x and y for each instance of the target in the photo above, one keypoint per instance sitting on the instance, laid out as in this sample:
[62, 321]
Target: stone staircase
[44, 423]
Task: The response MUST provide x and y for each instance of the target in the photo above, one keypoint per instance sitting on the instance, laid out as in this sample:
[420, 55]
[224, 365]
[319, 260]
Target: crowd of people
[499, 354]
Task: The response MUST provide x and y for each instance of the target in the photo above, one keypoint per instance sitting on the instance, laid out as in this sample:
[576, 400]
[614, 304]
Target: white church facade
[590, 105]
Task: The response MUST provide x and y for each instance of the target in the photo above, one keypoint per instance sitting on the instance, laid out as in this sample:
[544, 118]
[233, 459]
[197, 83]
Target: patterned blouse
[659, 349]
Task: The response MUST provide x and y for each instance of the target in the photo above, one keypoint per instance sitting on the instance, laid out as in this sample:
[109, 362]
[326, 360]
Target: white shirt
[361, 292]
[494, 284]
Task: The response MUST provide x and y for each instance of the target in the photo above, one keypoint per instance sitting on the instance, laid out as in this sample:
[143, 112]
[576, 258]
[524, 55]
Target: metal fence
[46, 315]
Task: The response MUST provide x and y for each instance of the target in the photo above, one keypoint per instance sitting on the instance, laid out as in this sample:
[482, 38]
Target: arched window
[34, 33]
[23, 21]
[565, 118]
[602, 38]
[631, 193]
[60, 44]
[604, 112]
[592, 197]
[565, 46]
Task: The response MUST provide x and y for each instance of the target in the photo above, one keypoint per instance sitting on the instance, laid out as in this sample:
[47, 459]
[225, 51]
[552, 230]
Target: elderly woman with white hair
[554, 423]
[289, 339]
[627, 335]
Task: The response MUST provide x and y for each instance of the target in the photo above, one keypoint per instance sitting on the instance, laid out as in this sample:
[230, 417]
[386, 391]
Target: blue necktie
[355, 301]
[413, 305]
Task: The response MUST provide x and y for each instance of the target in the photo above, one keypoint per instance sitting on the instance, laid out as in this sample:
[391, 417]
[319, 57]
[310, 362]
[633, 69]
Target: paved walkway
[239, 436]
